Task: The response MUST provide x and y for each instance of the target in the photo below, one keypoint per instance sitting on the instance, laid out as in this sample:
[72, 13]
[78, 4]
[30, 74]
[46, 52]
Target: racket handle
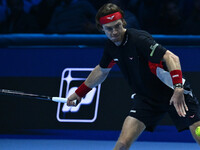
[59, 99]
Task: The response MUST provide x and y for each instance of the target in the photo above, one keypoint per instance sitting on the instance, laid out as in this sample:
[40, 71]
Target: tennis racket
[34, 96]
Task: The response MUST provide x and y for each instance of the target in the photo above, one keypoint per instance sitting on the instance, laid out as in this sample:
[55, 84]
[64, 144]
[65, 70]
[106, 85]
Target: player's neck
[118, 43]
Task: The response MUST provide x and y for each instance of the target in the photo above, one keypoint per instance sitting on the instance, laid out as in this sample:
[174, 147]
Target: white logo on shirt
[153, 48]
[116, 59]
[131, 58]
[133, 111]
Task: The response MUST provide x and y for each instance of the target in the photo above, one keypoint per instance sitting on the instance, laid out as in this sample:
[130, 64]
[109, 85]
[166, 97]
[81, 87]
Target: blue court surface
[60, 144]
[164, 138]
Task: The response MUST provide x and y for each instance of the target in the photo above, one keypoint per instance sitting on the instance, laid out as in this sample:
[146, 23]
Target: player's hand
[178, 101]
[73, 100]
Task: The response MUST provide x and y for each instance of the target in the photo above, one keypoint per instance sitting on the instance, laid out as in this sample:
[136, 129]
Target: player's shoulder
[135, 33]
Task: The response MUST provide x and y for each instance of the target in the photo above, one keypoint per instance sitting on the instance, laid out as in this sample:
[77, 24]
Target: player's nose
[114, 31]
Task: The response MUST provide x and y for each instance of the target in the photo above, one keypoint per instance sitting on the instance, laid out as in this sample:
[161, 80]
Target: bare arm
[96, 77]
[173, 63]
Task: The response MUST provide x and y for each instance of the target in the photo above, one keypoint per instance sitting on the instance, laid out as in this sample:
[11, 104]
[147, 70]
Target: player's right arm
[96, 77]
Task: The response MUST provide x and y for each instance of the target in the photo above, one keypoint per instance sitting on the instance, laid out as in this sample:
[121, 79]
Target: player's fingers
[177, 109]
[186, 108]
[182, 110]
[71, 102]
[68, 102]
[170, 102]
[78, 101]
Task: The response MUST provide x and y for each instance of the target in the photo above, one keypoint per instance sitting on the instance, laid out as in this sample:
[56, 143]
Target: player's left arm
[173, 64]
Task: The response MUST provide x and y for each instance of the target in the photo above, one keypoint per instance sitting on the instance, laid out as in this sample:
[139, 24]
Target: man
[153, 73]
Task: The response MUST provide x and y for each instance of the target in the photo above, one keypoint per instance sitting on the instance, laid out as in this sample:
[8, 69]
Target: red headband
[110, 18]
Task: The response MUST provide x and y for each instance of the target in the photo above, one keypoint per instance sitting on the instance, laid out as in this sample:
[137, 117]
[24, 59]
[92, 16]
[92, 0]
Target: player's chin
[115, 39]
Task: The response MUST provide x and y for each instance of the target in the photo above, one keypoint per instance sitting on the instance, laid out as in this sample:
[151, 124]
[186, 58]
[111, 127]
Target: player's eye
[109, 29]
[117, 26]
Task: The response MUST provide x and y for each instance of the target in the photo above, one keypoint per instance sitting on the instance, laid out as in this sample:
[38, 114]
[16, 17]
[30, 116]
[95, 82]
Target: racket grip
[59, 99]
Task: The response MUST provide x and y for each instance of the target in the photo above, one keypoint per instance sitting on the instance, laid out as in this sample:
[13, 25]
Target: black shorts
[150, 112]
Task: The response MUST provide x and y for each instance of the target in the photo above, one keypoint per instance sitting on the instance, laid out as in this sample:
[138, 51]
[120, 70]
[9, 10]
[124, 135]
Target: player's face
[114, 31]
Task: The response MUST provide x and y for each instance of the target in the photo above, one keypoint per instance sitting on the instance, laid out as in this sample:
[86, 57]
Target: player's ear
[99, 27]
[124, 22]
[102, 29]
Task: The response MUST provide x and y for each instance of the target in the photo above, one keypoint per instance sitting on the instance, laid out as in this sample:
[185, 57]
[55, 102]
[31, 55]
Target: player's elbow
[104, 71]
[170, 56]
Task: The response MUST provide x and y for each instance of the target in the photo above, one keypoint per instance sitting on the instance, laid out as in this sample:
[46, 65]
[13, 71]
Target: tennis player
[153, 72]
